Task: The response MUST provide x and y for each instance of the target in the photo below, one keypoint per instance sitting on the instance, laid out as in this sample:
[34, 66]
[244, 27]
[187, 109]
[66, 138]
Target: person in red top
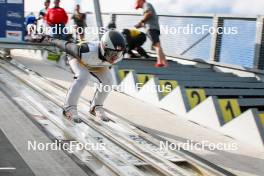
[57, 18]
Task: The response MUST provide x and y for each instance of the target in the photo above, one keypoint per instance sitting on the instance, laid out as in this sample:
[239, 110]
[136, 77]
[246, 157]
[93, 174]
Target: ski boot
[70, 115]
[99, 114]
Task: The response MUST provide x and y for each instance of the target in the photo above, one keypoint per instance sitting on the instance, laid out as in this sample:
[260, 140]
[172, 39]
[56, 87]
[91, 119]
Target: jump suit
[86, 62]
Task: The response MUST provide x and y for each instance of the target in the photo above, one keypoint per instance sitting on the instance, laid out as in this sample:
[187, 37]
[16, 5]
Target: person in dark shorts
[151, 22]
[80, 22]
[135, 39]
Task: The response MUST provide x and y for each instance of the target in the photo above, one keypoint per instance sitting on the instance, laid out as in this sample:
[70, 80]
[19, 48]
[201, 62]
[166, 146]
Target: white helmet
[112, 46]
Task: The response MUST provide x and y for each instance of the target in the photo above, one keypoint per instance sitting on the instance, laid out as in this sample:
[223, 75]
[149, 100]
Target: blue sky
[241, 7]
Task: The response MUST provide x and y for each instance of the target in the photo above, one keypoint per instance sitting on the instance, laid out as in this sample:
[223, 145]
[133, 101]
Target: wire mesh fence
[239, 49]
[179, 36]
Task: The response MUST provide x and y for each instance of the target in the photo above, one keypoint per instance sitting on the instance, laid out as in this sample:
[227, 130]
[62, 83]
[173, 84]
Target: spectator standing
[43, 11]
[42, 14]
[151, 22]
[80, 22]
[57, 18]
[30, 23]
[112, 23]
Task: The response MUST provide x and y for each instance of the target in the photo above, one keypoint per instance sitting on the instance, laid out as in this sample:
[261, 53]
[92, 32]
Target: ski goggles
[113, 56]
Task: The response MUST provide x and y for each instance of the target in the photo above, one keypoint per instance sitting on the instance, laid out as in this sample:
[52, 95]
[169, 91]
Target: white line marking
[7, 168]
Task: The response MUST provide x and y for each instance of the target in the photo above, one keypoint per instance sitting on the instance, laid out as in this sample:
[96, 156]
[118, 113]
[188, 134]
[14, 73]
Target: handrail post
[259, 45]
[216, 40]
[98, 17]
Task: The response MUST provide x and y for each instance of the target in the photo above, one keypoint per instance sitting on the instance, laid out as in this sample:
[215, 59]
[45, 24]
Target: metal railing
[243, 48]
[237, 48]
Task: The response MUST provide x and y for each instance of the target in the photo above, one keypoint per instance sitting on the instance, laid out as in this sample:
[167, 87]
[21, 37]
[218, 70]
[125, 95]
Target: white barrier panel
[206, 113]
[129, 85]
[149, 92]
[174, 102]
[247, 128]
